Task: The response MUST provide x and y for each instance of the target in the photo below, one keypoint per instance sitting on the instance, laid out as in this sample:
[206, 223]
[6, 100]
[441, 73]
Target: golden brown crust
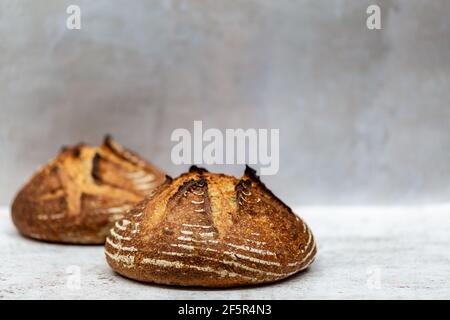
[76, 197]
[212, 230]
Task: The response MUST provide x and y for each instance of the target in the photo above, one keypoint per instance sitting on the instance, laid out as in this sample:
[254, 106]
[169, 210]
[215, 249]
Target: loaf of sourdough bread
[77, 197]
[211, 230]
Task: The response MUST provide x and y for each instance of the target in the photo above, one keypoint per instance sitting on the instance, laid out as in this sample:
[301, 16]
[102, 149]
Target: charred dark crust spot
[242, 184]
[107, 139]
[76, 151]
[240, 188]
[114, 147]
[195, 183]
[251, 174]
[122, 152]
[201, 182]
[109, 142]
[194, 168]
[185, 187]
[166, 183]
[95, 173]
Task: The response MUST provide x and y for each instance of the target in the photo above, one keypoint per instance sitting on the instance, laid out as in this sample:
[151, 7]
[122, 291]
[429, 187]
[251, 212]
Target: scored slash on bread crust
[211, 230]
[77, 197]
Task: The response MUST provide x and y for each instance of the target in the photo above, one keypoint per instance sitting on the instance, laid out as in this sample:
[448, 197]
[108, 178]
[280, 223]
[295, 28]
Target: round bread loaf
[211, 230]
[77, 197]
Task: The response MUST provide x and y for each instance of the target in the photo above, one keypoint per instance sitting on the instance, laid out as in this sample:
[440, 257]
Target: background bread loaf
[76, 197]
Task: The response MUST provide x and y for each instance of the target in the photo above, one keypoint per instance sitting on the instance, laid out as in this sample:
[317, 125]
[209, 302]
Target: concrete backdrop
[364, 115]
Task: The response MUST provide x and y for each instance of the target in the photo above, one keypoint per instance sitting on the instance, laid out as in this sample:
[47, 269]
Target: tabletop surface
[363, 253]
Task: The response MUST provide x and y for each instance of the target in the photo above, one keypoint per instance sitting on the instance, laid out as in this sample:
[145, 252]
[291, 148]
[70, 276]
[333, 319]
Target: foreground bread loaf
[211, 230]
[76, 197]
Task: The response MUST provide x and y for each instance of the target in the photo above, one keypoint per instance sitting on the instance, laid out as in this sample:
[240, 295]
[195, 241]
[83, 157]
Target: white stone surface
[406, 248]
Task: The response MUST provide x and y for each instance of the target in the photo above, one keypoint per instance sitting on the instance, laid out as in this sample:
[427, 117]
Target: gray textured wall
[364, 115]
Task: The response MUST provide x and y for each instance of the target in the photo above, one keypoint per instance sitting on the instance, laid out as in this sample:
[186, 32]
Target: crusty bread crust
[210, 230]
[77, 197]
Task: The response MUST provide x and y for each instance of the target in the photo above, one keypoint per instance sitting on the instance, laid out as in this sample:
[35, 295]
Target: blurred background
[364, 115]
